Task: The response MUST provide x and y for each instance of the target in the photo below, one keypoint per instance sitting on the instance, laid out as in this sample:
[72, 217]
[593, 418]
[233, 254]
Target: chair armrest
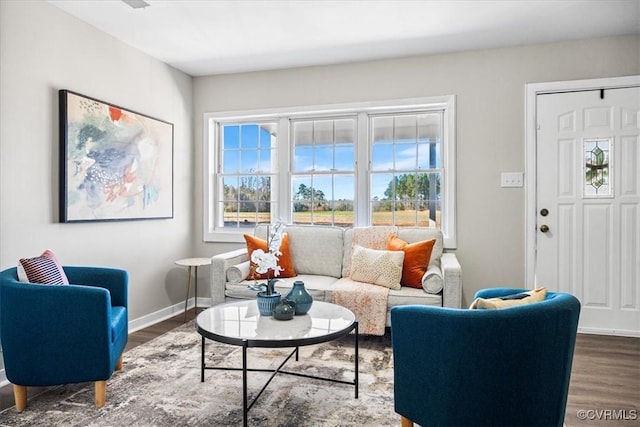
[114, 280]
[219, 265]
[452, 274]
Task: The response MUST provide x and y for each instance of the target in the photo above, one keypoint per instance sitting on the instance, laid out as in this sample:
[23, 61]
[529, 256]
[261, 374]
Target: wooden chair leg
[20, 395]
[101, 393]
[119, 364]
[405, 422]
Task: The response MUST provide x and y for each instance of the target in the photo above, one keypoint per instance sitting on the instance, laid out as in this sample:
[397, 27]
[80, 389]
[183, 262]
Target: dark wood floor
[605, 382]
[605, 379]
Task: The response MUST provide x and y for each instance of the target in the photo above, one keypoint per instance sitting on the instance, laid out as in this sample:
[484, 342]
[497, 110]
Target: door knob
[544, 228]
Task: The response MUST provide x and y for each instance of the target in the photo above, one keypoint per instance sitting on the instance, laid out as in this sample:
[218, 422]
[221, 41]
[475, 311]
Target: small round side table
[189, 263]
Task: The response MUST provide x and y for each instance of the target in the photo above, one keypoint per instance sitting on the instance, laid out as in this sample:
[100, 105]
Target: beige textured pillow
[383, 268]
[534, 295]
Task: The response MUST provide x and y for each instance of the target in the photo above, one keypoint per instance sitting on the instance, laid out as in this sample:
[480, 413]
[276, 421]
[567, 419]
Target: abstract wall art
[115, 164]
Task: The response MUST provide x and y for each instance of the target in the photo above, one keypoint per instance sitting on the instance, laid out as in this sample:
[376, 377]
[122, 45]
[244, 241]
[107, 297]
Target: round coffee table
[240, 323]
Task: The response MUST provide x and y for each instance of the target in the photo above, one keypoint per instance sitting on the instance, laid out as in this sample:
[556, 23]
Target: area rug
[160, 386]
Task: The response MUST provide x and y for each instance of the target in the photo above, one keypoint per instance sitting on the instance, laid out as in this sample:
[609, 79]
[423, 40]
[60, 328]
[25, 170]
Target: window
[247, 171]
[406, 169]
[384, 163]
[323, 172]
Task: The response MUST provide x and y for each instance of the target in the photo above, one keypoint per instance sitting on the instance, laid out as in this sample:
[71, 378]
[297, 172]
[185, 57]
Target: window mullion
[362, 171]
[449, 173]
[210, 184]
[284, 153]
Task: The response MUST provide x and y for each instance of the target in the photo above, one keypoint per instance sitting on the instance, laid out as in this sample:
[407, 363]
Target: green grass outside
[405, 218]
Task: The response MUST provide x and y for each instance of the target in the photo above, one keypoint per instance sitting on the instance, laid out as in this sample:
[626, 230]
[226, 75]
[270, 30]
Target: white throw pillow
[238, 273]
[383, 268]
[432, 281]
[22, 275]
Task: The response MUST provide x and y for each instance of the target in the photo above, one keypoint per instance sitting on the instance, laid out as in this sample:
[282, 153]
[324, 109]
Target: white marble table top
[236, 322]
[193, 262]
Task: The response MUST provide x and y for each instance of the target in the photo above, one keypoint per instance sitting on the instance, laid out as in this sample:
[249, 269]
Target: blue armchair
[63, 334]
[504, 367]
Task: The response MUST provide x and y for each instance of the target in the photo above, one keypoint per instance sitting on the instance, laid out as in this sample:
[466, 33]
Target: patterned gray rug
[160, 386]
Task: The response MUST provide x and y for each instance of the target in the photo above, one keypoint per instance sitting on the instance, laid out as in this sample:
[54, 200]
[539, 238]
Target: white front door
[588, 204]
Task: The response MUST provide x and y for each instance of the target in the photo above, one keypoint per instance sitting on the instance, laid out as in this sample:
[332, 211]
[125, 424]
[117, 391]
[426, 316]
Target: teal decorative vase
[266, 303]
[284, 310]
[301, 297]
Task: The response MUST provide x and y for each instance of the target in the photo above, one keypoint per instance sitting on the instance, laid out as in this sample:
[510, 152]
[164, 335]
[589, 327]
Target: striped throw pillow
[42, 270]
[22, 275]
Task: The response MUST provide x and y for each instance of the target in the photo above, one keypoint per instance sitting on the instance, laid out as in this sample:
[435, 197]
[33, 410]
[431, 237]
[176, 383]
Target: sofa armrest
[219, 265]
[452, 272]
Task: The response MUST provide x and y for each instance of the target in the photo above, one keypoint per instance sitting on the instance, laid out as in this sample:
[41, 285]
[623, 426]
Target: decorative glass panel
[597, 168]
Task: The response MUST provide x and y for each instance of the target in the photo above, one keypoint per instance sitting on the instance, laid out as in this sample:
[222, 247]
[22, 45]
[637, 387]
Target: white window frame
[362, 213]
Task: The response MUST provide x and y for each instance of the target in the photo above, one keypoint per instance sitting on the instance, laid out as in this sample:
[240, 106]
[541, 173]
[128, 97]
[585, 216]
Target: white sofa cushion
[313, 248]
[316, 249]
[407, 296]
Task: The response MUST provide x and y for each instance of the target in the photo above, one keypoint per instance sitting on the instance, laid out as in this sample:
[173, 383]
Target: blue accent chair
[504, 367]
[63, 334]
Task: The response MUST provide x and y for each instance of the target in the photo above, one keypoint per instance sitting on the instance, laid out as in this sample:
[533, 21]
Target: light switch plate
[511, 179]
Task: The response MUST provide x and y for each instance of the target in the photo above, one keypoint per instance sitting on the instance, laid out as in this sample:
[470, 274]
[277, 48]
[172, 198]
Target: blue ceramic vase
[266, 303]
[284, 310]
[301, 297]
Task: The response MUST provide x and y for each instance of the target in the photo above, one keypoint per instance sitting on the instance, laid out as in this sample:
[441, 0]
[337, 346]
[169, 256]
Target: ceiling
[203, 37]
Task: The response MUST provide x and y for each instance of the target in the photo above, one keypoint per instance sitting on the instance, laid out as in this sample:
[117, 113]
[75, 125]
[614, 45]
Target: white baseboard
[145, 321]
[613, 332]
[165, 313]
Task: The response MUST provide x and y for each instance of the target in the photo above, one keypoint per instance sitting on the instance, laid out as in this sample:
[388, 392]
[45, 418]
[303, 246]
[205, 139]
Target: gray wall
[43, 49]
[490, 87]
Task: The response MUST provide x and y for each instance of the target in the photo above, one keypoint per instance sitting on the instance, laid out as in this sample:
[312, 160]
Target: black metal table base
[246, 405]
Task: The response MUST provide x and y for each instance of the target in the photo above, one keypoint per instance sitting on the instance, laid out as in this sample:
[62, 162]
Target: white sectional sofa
[320, 256]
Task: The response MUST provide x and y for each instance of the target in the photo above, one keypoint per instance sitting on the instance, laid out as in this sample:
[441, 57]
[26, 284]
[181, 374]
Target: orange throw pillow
[416, 259]
[284, 260]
